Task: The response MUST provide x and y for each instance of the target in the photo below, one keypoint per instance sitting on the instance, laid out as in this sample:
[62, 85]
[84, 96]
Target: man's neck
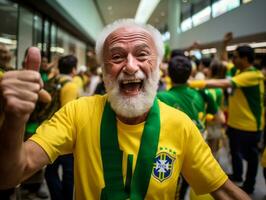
[245, 67]
[133, 120]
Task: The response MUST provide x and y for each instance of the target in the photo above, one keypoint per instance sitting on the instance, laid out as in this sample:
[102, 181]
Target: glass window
[186, 24]
[53, 41]
[246, 1]
[202, 16]
[8, 28]
[25, 27]
[46, 38]
[37, 31]
[224, 6]
[199, 5]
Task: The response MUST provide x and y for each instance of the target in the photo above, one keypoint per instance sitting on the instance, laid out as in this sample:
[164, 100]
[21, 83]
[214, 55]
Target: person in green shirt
[195, 103]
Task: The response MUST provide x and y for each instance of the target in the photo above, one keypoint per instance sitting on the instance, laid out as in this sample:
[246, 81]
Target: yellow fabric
[1, 74]
[168, 82]
[76, 128]
[248, 78]
[69, 92]
[229, 66]
[240, 115]
[197, 84]
[263, 158]
[193, 196]
[78, 81]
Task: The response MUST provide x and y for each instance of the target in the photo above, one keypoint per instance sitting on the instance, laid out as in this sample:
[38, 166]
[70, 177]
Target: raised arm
[229, 191]
[19, 91]
[223, 53]
[211, 83]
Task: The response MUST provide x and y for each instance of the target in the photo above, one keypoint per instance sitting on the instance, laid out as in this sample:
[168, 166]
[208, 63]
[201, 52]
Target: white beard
[135, 106]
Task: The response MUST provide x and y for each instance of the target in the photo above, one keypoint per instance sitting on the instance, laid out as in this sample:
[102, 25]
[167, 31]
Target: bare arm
[44, 96]
[227, 38]
[20, 160]
[211, 83]
[218, 83]
[229, 191]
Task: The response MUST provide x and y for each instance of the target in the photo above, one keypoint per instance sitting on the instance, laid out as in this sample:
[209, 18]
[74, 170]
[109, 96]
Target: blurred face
[238, 62]
[44, 64]
[207, 72]
[131, 71]
[5, 55]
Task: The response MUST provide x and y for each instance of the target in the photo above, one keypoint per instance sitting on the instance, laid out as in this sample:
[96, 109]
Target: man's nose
[131, 65]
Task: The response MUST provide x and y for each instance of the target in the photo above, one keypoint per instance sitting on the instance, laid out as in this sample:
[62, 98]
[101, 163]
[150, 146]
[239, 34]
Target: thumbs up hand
[19, 90]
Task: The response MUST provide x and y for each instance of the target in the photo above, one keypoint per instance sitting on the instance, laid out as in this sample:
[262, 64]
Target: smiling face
[131, 70]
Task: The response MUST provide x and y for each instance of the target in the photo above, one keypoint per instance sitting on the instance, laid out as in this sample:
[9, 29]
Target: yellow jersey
[76, 128]
[246, 110]
[263, 159]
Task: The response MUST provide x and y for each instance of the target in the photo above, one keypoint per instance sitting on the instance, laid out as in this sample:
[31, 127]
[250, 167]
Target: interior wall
[248, 19]
[85, 13]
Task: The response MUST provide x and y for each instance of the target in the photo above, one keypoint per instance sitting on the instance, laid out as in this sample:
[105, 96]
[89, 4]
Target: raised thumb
[33, 59]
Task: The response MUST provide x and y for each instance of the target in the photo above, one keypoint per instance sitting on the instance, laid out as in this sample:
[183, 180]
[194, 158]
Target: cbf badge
[162, 166]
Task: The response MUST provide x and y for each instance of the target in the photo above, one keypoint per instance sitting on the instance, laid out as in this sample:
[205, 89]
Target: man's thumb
[33, 59]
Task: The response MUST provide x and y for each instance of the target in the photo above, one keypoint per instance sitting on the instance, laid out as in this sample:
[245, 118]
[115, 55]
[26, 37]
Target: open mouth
[131, 87]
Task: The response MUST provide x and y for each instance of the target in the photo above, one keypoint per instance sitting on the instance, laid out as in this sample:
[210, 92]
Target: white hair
[155, 34]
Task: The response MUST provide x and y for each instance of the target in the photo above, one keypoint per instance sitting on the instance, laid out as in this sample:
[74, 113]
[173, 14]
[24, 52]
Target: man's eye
[142, 55]
[117, 58]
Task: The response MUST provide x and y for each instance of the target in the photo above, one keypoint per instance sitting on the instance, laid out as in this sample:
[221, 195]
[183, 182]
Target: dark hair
[263, 63]
[177, 52]
[246, 51]
[218, 69]
[206, 62]
[179, 69]
[66, 64]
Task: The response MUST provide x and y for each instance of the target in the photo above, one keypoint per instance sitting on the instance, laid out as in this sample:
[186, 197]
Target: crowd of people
[153, 131]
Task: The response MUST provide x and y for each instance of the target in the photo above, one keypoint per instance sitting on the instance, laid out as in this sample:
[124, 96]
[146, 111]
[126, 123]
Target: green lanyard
[112, 156]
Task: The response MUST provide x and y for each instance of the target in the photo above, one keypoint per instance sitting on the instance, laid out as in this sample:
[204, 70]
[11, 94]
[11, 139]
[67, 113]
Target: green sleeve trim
[254, 100]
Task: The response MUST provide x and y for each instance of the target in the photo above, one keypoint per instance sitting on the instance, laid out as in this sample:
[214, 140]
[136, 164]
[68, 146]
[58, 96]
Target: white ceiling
[111, 10]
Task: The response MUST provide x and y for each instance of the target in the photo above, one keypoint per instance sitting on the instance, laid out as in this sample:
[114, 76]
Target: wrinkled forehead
[129, 34]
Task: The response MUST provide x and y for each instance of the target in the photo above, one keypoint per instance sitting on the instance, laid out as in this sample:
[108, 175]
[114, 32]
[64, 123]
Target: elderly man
[126, 144]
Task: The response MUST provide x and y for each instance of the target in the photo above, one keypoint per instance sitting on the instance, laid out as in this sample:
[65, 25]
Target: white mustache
[138, 75]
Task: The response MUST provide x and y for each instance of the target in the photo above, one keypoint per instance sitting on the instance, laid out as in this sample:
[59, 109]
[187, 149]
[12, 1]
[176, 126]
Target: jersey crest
[162, 166]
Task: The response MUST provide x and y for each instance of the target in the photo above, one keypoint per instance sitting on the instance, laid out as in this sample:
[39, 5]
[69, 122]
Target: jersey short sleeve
[200, 169]
[69, 92]
[248, 78]
[57, 136]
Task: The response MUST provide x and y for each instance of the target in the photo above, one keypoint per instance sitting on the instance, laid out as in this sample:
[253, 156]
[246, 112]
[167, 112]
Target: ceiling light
[7, 41]
[109, 8]
[258, 44]
[145, 9]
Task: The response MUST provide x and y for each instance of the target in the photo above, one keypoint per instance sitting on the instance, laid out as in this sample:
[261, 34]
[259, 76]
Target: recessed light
[109, 8]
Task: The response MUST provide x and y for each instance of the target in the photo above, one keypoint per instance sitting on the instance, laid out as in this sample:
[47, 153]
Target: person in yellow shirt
[245, 114]
[63, 189]
[127, 144]
[263, 162]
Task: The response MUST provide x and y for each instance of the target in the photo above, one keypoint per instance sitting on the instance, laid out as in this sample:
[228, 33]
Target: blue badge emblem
[162, 166]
